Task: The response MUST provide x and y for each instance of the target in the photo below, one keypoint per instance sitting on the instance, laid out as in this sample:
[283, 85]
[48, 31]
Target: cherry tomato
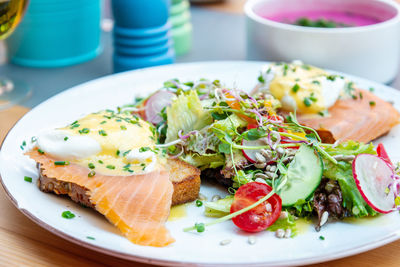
[260, 217]
[381, 151]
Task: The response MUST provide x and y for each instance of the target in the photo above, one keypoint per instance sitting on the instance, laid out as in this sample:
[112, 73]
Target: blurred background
[59, 44]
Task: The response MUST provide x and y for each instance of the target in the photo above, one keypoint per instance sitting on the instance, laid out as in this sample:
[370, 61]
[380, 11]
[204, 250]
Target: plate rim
[296, 262]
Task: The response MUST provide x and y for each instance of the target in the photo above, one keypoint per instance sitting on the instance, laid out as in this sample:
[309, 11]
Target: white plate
[341, 238]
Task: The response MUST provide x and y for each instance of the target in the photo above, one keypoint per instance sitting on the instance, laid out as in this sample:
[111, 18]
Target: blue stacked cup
[141, 34]
[56, 33]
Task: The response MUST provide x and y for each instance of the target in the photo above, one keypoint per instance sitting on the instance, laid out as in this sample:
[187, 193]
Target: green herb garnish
[61, 163]
[199, 203]
[67, 215]
[91, 174]
[40, 151]
[91, 166]
[65, 138]
[111, 167]
[28, 179]
[372, 103]
[102, 133]
[295, 88]
[84, 131]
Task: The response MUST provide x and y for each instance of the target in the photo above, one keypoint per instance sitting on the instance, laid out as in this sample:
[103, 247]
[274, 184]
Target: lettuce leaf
[343, 173]
[352, 199]
[228, 126]
[204, 161]
[218, 208]
[351, 148]
[285, 223]
[186, 113]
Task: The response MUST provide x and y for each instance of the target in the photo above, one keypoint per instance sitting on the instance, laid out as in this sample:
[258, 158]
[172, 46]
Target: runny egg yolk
[303, 88]
[126, 143]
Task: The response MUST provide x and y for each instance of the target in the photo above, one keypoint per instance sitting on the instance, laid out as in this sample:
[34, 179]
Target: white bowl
[369, 51]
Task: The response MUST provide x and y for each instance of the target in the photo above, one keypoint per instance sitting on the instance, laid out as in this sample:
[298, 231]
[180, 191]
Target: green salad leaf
[218, 208]
[285, 223]
[343, 173]
[204, 161]
[351, 148]
[352, 199]
[186, 113]
[228, 126]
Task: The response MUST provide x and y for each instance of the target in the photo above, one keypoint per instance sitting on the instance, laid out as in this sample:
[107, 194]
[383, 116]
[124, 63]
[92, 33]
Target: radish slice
[250, 154]
[156, 103]
[373, 176]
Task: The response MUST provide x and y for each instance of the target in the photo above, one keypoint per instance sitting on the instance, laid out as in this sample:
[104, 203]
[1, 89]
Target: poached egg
[302, 88]
[106, 142]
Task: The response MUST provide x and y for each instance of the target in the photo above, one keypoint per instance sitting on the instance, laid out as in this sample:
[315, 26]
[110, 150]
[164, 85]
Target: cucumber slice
[304, 174]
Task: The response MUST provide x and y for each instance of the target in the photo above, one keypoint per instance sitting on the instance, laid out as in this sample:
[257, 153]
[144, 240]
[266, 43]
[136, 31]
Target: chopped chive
[91, 166]
[118, 152]
[307, 102]
[361, 95]
[321, 237]
[103, 122]
[313, 98]
[372, 103]
[126, 153]
[102, 133]
[84, 131]
[75, 122]
[100, 161]
[371, 89]
[28, 179]
[200, 227]
[91, 238]
[91, 174]
[316, 82]
[40, 151]
[127, 166]
[144, 149]
[111, 167]
[285, 69]
[199, 203]
[67, 214]
[123, 127]
[331, 78]
[24, 143]
[354, 97]
[22, 147]
[65, 138]
[74, 126]
[61, 163]
[33, 139]
[295, 88]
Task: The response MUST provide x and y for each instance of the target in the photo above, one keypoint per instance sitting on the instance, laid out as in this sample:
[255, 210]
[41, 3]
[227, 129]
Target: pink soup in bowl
[359, 37]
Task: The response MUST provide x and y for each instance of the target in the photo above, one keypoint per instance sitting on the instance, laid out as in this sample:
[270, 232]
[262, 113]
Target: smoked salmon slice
[363, 119]
[138, 205]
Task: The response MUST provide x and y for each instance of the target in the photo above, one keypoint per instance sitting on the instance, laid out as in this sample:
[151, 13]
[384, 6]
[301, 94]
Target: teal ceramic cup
[57, 33]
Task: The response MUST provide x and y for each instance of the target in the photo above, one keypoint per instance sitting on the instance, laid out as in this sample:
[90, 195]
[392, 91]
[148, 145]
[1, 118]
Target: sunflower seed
[260, 180]
[202, 197]
[215, 198]
[280, 233]
[225, 242]
[252, 240]
[259, 158]
[283, 215]
[324, 218]
[288, 233]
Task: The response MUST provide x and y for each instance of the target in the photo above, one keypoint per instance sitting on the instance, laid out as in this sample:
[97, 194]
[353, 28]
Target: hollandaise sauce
[303, 88]
[106, 142]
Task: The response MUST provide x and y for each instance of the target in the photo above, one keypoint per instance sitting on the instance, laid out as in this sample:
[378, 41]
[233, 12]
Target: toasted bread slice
[184, 177]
